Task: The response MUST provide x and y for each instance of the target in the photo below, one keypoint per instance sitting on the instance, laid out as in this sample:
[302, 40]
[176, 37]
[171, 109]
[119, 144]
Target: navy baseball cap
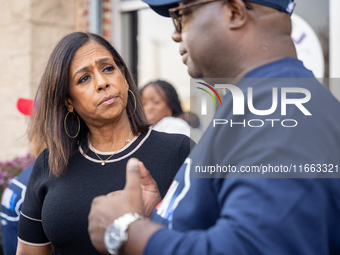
[162, 6]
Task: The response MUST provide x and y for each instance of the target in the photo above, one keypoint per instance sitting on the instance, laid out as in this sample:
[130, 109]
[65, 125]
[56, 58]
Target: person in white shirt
[164, 111]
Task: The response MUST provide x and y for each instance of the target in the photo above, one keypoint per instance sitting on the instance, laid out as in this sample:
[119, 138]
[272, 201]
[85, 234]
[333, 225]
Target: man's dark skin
[221, 39]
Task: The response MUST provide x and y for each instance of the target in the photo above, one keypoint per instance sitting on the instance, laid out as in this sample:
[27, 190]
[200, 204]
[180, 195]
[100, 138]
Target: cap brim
[25, 106]
[162, 7]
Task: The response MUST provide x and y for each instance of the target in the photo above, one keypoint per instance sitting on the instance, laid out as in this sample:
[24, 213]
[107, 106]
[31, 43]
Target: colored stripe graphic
[212, 88]
[209, 94]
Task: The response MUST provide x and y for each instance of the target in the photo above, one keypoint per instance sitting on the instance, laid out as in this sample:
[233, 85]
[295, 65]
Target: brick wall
[83, 23]
[107, 20]
[83, 17]
[29, 30]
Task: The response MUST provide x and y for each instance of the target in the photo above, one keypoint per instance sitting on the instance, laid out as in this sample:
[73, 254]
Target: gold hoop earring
[135, 104]
[66, 128]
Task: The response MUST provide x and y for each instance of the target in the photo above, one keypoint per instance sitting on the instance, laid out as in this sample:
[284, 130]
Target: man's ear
[69, 104]
[237, 14]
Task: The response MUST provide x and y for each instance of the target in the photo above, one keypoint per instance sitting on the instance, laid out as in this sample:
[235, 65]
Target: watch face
[116, 234]
[113, 239]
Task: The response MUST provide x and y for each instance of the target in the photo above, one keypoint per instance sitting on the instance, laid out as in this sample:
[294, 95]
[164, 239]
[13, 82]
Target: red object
[25, 106]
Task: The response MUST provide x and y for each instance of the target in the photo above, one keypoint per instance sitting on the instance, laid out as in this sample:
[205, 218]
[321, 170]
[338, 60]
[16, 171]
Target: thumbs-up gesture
[150, 192]
[139, 195]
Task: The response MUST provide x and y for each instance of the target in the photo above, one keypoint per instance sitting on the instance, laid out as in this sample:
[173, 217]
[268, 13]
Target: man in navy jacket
[292, 205]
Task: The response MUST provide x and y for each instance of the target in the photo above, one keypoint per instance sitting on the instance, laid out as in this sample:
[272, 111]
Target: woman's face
[98, 90]
[154, 104]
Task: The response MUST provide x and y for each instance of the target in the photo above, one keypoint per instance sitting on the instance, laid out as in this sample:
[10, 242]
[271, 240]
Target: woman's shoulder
[43, 156]
[41, 163]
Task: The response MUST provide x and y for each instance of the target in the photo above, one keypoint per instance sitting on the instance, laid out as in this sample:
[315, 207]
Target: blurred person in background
[14, 194]
[90, 116]
[191, 118]
[163, 109]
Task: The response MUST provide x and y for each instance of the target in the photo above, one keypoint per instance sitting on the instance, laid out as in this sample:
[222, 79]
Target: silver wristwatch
[116, 234]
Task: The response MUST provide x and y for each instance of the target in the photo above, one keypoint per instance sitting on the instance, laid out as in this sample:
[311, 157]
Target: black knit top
[56, 208]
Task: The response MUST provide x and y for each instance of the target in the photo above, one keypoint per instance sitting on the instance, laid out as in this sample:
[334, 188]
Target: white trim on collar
[117, 159]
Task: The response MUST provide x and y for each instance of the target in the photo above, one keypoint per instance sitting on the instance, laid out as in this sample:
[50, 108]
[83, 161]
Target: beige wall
[29, 30]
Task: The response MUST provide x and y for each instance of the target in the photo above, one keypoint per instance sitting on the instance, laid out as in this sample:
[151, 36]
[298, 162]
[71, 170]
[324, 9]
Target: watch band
[125, 220]
[116, 234]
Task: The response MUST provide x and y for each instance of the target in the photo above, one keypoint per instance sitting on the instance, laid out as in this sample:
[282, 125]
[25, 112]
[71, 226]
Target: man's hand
[151, 195]
[106, 209]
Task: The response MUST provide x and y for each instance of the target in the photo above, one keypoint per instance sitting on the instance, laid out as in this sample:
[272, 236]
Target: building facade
[30, 30]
